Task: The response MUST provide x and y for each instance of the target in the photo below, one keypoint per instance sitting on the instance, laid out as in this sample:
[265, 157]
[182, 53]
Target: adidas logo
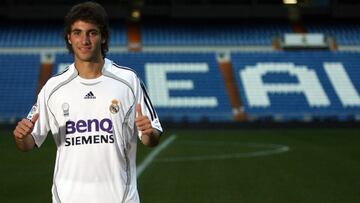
[90, 95]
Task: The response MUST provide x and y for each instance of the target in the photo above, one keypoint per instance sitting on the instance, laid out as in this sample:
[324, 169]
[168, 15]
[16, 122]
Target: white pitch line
[274, 149]
[147, 161]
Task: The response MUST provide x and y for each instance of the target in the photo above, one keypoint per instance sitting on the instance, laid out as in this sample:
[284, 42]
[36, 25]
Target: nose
[85, 40]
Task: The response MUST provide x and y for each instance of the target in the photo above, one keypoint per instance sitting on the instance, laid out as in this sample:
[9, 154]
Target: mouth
[85, 49]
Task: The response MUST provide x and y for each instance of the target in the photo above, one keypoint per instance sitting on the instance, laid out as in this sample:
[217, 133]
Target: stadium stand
[18, 76]
[164, 34]
[345, 32]
[299, 85]
[282, 102]
[213, 33]
[191, 85]
[46, 35]
[30, 35]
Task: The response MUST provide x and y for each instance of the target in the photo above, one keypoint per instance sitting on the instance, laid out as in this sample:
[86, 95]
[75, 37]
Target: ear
[68, 38]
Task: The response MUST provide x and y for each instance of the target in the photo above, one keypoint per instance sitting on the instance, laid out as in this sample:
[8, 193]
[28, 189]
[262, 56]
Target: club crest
[114, 107]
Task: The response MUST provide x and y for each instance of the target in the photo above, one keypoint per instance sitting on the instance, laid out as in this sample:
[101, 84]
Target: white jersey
[92, 122]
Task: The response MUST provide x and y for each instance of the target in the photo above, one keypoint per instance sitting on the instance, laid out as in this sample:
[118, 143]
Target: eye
[76, 32]
[94, 33]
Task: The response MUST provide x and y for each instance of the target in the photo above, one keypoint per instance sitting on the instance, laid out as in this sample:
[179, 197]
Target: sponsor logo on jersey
[32, 112]
[114, 107]
[90, 95]
[65, 107]
[91, 131]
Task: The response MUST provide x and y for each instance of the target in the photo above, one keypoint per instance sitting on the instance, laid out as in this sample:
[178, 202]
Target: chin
[85, 57]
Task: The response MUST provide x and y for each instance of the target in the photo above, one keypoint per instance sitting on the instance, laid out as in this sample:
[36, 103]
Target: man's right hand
[24, 142]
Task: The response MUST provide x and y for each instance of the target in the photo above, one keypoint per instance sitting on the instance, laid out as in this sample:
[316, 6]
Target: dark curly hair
[90, 12]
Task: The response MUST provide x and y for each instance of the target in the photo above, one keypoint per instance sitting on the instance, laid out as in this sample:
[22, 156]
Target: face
[85, 39]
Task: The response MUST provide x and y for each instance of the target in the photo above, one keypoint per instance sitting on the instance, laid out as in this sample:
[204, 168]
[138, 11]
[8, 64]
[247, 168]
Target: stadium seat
[18, 76]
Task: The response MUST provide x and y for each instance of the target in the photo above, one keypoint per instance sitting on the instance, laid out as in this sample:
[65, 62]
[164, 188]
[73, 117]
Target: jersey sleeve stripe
[147, 105]
[148, 102]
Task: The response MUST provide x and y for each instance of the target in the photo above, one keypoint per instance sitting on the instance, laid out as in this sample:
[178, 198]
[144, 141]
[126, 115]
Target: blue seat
[18, 84]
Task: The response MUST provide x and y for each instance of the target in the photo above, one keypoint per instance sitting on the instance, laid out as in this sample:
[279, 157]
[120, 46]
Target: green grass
[322, 165]
[25, 176]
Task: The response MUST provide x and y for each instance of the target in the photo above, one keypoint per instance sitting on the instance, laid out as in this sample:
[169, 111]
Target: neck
[89, 69]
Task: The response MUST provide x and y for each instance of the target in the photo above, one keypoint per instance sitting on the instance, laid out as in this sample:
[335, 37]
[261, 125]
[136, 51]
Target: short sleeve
[147, 107]
[41, 127]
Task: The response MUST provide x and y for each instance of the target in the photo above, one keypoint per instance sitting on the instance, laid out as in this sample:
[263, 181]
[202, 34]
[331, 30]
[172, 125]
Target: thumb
[138, 110]
[35, 118]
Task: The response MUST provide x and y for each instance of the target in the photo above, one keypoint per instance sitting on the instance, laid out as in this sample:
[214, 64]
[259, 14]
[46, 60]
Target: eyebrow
[90, 30]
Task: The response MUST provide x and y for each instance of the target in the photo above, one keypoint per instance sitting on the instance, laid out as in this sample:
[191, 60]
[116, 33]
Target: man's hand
[22, 133]
[149, 136]
[143, 123]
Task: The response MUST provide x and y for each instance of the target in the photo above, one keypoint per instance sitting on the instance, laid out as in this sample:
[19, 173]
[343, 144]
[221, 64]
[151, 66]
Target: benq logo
[90, 125]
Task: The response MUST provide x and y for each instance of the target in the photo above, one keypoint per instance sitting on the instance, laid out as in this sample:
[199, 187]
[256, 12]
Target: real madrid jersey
[92, 122]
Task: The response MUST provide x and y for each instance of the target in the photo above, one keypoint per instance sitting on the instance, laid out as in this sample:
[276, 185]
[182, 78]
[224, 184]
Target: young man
[95, 110]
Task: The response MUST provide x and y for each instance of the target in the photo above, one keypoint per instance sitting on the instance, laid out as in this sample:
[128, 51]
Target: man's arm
[23, 139]
[149, 136]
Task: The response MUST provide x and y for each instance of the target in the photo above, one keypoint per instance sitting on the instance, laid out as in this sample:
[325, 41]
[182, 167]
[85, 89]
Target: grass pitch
[264, 165]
